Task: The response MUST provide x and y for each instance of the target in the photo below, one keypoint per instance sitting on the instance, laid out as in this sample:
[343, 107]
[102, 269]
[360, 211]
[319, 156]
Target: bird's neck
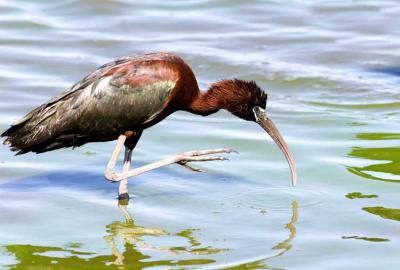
[206, 103]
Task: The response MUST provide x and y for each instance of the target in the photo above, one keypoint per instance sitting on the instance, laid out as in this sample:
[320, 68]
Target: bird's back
[128, 94]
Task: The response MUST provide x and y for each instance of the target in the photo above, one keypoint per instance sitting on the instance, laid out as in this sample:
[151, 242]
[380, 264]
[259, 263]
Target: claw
[190, 167]
[230, 150]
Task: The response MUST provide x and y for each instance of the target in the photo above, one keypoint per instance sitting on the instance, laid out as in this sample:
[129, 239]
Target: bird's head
[246, 100]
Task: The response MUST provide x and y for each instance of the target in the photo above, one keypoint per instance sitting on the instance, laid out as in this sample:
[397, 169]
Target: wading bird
[122, 98]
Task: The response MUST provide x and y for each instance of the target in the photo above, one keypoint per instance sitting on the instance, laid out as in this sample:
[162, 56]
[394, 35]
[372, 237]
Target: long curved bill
[272, 130]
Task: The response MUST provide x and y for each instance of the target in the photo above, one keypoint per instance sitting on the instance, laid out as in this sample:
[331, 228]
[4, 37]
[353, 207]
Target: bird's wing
[128, 67]
[89, 79]
[124, 94]
[129, 95]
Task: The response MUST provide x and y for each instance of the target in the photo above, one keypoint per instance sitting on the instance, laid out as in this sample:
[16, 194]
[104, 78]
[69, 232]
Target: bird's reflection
[285, 246]
[136, 251]
[132, 237]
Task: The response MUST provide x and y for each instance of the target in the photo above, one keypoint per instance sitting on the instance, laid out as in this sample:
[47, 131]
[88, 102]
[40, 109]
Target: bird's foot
[182, 159]
[202, 155]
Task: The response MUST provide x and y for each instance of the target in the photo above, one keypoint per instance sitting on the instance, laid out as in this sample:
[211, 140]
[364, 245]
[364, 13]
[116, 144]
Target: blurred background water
[332, 72]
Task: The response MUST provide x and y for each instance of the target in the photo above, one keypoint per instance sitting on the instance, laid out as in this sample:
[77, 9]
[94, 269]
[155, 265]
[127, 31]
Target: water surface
[331, 69]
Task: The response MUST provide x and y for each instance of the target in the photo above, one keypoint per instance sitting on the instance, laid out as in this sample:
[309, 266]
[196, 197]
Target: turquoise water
[331, 69]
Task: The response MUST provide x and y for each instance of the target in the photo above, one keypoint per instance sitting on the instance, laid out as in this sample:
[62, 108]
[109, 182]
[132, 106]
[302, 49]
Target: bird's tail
[32, 133]
[20, 136]
[43, 130]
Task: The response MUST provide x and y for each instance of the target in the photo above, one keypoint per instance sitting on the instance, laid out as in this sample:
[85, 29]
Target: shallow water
[331, 69]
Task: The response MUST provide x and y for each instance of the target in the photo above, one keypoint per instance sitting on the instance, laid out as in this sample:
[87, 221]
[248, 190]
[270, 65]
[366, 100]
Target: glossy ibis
[122, 98]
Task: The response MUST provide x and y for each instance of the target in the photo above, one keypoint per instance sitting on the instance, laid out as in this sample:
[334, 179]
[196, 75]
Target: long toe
[210, 151]
[202, 158]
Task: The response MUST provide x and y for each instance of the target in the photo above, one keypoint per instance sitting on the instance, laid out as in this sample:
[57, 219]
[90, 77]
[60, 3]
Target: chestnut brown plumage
[124, 97]
[236, 96]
